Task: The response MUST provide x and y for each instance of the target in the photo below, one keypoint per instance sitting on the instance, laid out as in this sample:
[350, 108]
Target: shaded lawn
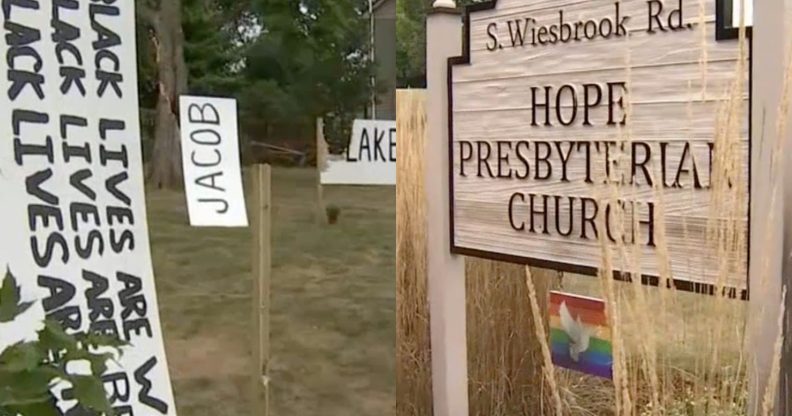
[333, 303]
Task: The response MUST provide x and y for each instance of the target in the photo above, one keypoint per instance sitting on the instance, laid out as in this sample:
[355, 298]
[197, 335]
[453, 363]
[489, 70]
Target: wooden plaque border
[722, 32]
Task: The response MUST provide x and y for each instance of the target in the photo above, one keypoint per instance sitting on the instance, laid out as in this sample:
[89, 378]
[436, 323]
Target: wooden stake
[321, 155]
[262, 266]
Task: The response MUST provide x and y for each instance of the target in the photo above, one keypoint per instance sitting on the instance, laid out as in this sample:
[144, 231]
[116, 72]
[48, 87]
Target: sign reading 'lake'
[577, 126]
[370, 158]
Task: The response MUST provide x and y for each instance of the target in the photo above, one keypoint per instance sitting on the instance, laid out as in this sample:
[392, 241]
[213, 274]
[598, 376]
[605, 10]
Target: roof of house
[378, 3]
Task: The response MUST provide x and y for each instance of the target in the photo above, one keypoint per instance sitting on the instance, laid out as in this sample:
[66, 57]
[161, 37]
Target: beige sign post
[446, 272]
[771, 210]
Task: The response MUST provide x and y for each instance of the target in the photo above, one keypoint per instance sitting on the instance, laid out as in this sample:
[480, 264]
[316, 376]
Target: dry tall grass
[676, 354]
[680, 354]
[505, 365]
[504, 356]
[413, 360]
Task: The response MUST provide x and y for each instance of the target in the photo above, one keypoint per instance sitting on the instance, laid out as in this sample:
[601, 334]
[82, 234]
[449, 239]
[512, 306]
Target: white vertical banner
[370, 158]
[73, 226]
[210, 157]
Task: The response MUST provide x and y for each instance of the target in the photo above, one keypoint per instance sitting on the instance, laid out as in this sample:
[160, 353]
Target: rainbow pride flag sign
[579, 335]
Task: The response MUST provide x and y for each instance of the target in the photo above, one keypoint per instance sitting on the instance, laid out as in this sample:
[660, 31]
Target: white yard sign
[73, 225]
[370, 158]
[210, 156]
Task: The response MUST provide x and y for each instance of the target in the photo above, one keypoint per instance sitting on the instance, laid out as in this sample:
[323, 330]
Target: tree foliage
[285, 61]
[309, 59]
[29, 370]
[211, 45]
[212, 48]
[411, 43]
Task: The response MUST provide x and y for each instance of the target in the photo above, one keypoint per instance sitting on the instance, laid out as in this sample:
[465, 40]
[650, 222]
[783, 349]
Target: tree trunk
[166, 169]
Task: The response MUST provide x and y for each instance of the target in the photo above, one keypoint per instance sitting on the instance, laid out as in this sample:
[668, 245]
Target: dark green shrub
[28, 370]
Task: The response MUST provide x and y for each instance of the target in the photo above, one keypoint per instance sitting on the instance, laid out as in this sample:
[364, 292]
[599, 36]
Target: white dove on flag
[579, 335]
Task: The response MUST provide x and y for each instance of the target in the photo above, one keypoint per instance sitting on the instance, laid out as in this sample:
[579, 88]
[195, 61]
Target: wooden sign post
[771, 208]
[321, 162]
[446, 271]
[262, 267]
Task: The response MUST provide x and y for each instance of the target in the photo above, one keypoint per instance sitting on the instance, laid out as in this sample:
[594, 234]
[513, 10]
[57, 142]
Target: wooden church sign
[581, 126]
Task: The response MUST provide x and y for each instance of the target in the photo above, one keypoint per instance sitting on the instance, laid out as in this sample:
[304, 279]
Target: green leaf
[29, 370]
[98, 362]
[90, 392]
[53, 337]
[21, 357]
[96, 339]
[30, 387]
[42, 408]
[10, 306]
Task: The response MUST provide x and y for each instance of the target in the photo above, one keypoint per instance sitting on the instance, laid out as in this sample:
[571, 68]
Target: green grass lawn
[333, 303]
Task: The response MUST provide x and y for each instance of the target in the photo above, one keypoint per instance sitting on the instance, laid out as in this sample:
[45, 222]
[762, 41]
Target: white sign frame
[727, 19]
